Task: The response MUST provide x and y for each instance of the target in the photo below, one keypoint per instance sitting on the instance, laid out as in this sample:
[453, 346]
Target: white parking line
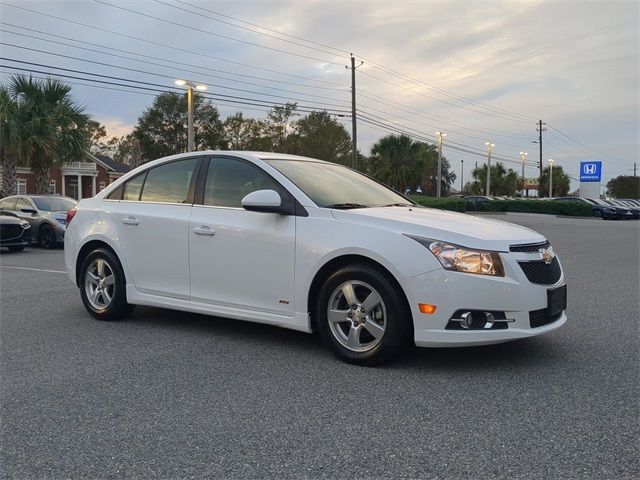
[33, 269]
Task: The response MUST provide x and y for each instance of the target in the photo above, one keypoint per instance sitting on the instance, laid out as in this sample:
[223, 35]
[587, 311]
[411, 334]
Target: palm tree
[51, 125]
[8, 132]
[395, 161]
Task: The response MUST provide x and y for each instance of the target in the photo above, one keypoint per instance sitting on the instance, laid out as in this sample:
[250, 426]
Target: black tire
[118, 307]
[598, 213]
[17, 248]
[398, 333]
[47, 236]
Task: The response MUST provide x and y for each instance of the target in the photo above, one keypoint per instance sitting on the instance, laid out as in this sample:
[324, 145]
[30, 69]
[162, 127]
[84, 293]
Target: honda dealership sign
[591, 171]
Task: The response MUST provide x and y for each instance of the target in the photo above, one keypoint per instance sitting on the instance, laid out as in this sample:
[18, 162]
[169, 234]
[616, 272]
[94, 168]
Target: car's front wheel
[363, 316]
[103, 286]
[16, 248]
[47, 236]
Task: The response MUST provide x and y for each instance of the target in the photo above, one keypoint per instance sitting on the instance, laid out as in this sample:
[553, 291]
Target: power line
[586, 147]
[242, 75]
[162, 88]
[151, 42]
[192, 28]
[182, 9]
[164, 76]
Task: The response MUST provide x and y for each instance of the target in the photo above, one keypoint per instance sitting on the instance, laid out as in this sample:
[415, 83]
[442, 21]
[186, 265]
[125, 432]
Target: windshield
[336, 186]
[54, 204]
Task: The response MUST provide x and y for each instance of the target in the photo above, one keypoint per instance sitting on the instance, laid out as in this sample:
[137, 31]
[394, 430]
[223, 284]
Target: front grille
[542, 273]
[530, 247]
[540, 318]
[7, 232]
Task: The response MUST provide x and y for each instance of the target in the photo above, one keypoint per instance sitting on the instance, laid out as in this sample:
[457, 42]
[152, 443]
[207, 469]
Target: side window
[169, 182]
[132, 187]
[8, 204]
[116, 194]
[229, 180]
[23, 203]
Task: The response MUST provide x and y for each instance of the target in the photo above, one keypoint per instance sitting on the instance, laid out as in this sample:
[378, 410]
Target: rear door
[153, 225]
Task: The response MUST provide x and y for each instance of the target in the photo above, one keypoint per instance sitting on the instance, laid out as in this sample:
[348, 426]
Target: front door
[239, 258]
[153, 225]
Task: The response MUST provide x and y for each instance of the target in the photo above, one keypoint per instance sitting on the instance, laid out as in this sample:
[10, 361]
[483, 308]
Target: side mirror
[263, 201]
[28, 210]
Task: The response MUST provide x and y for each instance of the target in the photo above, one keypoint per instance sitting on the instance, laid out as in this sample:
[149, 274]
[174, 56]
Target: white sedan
[312, 246]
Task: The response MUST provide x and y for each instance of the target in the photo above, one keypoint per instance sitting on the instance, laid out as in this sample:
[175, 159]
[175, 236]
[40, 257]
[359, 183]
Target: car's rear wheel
[46, 236]
[103, 286]
[363, 316]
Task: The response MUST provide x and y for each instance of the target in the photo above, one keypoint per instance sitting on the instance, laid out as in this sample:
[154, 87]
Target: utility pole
[551, 178]
[541, 128]
[354, 135]
[489, 151]
[461, 174]
[635, 166]
[440, 135]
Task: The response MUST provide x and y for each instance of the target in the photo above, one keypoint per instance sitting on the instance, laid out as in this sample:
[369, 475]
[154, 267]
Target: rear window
[53, 204]
[169, 182]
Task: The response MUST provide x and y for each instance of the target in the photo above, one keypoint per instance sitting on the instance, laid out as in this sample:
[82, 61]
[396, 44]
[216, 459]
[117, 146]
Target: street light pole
[190, 131]
[441, 136]
[489, 151]
[523, 155]
[551, 178]
[461, 174]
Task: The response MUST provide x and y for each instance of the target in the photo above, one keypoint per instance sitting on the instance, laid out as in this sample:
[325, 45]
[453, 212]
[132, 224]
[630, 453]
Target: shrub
[443, 203]
[577, 209]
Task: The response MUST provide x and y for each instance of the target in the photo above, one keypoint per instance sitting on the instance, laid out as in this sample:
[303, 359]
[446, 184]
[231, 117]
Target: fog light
[427, 308]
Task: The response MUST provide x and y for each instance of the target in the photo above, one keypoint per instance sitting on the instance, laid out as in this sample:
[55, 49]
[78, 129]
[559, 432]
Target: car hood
[458, 228]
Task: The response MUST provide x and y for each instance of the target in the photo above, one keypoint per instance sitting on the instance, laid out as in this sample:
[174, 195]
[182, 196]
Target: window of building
[101, 186]
[22, 186]
[132, 187]
[230, 180]
[52, 186]
[169, 182]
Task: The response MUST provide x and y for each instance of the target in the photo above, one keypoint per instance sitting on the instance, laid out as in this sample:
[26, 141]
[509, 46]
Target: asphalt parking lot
[176, 395]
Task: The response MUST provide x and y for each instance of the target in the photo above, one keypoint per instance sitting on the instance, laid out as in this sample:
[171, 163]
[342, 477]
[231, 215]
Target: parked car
[15, 233]
[477, 199]
[606, 212]
[622, 213]
[47, 215]
[634, 209]
[312, 246]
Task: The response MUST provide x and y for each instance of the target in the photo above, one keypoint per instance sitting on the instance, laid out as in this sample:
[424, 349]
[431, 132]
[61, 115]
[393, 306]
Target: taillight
[70, 214]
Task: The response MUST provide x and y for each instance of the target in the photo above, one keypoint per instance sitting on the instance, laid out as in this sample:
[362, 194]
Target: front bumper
[451, 292]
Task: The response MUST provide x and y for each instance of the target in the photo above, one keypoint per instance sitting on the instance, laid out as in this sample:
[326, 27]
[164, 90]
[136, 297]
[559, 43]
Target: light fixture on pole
[190, 86]
[489, 152]
[441, 136]
[523, 156]
[551, 178]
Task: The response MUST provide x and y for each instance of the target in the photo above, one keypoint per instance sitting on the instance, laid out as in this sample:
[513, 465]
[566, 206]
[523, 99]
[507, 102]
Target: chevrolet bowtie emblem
[547, 255]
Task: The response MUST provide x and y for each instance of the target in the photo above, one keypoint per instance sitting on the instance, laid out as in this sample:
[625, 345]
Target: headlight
[25, 225]
[462, 259]
[62, 221]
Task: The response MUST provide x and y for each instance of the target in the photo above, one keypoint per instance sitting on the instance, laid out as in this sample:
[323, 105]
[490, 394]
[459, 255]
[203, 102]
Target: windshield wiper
[398, 205]
[346, 206]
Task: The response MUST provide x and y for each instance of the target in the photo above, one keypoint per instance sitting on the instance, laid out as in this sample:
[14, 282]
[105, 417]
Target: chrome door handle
[130, 221]
[204, 231]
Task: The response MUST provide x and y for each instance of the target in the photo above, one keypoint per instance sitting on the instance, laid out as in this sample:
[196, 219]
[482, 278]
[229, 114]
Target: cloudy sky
[479, 71]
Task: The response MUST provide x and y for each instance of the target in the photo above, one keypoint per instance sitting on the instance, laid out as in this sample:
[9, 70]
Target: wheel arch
[89, 247]
[335, 264]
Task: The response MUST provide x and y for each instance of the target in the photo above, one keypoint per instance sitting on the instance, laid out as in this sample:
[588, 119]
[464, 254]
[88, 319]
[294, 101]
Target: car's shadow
[514, 354]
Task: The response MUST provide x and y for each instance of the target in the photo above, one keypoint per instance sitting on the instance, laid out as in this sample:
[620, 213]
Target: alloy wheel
[99, 284]
[357, 316]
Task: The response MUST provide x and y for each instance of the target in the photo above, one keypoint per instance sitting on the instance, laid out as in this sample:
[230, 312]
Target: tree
[561, 182]
[8, 136]
[277, 128]
[503, 181]
[400, 162]
[96, 133]
[242, 133]
[162, 128]
[318, 135]
[51, 125]
[623, 186]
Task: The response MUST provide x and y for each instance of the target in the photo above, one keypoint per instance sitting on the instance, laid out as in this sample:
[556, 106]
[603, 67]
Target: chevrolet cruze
[312, 246]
